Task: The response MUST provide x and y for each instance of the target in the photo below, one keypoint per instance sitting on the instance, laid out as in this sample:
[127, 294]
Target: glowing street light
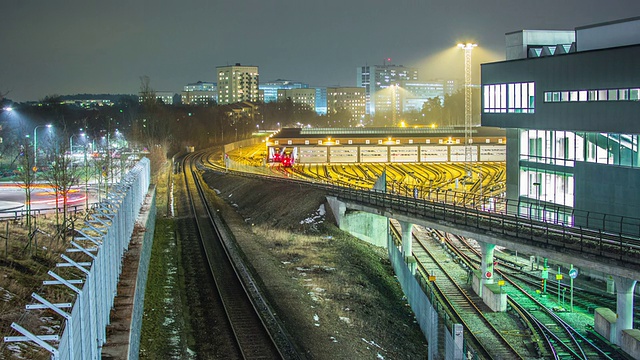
[35, 143]
[468, 117]
[71, 141]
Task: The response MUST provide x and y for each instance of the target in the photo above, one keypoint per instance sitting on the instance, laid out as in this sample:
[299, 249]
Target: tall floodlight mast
[468, 116]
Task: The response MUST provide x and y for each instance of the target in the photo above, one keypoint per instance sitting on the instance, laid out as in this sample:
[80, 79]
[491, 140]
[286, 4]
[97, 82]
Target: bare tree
[63, 174]
[26, 170]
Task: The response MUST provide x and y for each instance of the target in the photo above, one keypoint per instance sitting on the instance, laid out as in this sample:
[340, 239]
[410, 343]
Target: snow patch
[317, 217]
[372, 343]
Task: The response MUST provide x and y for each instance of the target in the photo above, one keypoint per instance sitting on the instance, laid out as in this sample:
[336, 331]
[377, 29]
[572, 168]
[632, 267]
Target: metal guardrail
[621, 246]
[607, 236]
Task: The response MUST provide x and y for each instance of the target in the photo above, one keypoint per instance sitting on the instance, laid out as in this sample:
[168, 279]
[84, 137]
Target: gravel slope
[336, 295]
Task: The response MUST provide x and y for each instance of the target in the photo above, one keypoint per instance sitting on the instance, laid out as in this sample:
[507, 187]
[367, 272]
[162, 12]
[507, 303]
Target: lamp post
[35, 143]
[71, 141]
[468, 117]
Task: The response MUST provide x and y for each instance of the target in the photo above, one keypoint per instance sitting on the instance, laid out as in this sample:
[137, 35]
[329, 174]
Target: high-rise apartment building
[381, 84]
[237, 83]
[346, 100]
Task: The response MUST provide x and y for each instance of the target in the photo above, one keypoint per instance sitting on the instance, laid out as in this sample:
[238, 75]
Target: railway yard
[542, 320]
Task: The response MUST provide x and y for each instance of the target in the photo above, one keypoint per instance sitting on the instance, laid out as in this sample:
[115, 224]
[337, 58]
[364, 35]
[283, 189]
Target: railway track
[484, 337]
[240, 323]
[556, 338]
[587, 299]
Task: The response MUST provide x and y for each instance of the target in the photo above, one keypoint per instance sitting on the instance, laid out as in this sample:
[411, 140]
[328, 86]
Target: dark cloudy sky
[69, 46]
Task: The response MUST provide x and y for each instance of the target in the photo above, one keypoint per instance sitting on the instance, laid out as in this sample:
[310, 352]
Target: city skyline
[72, 47]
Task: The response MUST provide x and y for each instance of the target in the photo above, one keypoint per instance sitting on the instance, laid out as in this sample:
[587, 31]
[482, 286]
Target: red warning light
[488, 274]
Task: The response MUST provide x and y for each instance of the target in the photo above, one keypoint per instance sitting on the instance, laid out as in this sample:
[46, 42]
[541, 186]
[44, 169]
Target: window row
[564, 148]
[509, 98]
[627, 94]
[388, 141]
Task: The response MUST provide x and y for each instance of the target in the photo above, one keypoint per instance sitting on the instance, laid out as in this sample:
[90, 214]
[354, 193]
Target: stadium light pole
[35, 143]
[468, 116]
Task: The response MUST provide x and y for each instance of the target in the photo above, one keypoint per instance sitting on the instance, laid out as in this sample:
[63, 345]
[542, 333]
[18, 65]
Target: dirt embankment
[336, 295]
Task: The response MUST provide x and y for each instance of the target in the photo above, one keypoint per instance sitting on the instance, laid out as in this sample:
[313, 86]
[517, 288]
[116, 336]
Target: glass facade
[547, 159]
[509, 98]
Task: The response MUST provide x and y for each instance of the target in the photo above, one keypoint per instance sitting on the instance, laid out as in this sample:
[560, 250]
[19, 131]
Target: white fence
[104, 240]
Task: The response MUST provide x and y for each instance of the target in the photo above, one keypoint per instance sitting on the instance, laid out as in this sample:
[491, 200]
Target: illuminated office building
[270, 88]
[200, 93]
[381, 84]
[569, 101]
[302, 99]
[346, 100]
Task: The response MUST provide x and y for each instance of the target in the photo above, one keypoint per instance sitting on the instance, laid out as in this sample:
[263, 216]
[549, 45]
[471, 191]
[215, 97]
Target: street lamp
[35, 143]
[71, 141]
[468, 117]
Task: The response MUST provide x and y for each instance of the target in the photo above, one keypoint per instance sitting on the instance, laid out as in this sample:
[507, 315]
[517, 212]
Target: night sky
[69, 47]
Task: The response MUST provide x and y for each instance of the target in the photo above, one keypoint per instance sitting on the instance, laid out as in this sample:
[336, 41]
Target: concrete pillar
[407, 229]
[611, 285]
[624, 306]
[486, 268]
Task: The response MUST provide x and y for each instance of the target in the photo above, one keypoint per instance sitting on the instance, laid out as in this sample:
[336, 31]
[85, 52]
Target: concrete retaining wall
[365, 226]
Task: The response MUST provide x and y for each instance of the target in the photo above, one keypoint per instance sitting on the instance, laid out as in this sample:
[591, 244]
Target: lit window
[623, 94]
[582, 95]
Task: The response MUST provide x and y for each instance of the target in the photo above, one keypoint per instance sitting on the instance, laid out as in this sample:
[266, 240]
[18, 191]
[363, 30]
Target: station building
[569, 101]
[386, 145]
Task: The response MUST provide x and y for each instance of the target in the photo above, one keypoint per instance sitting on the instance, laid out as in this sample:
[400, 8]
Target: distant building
[200, 93]
[381, 83]
[342, 100]
[414, 94]
[166, 97]
[237, 83]
[88, 103]
[271, 88]
[302, 99]
[321, 100]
